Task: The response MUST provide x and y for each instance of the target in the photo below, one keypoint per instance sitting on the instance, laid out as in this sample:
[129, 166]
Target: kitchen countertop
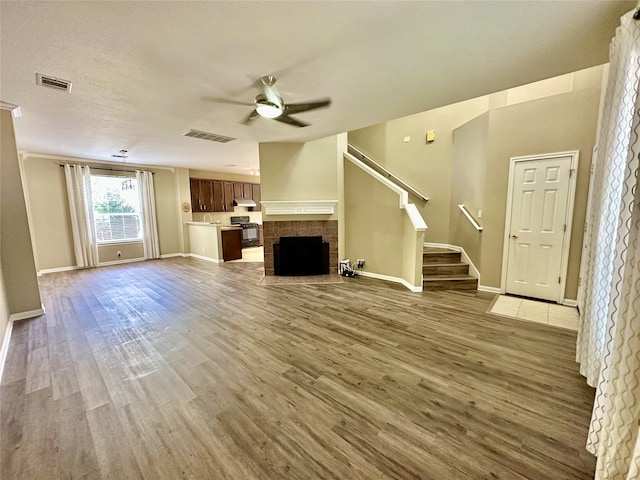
[217, 225]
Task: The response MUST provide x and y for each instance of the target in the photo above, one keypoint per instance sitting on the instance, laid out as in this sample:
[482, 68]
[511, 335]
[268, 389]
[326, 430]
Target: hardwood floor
[183, 369]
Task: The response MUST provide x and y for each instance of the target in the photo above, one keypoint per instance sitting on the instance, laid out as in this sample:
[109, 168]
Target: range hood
[244, 202]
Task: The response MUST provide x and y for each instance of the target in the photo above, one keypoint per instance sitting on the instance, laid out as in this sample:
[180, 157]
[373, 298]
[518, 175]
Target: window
[116, 208]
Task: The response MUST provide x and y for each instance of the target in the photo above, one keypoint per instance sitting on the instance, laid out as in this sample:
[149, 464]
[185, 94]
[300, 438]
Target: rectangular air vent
[212, 137]
[52, 82]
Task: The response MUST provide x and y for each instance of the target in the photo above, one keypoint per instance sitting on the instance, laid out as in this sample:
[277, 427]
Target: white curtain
[85, 244]
[608, 347]
[148, 214]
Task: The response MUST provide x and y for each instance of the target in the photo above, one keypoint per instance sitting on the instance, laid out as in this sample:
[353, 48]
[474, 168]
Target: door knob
[514, 236]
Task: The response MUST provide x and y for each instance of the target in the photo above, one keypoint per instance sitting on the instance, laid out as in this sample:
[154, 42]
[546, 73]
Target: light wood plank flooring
[183, 369]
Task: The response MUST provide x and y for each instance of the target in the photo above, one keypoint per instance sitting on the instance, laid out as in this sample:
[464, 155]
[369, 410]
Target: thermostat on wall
[431, 136]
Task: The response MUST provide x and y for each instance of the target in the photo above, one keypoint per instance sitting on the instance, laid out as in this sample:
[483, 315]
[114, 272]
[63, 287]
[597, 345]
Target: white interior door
[538, 226]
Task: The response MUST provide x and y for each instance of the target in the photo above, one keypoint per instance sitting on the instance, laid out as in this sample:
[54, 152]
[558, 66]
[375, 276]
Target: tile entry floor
[251, 254]
[535, 311]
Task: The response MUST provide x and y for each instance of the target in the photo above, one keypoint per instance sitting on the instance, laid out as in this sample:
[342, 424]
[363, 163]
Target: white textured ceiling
[145, 72]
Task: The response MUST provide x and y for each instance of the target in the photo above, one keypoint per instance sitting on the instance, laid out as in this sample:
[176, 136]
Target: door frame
[568, 219]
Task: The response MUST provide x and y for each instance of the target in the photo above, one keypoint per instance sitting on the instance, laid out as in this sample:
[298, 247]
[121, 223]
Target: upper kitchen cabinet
[217, 195]
[247, 190]
[255, 194]
[228, 196]
[201, 195]
[222, 196]
[242, 190]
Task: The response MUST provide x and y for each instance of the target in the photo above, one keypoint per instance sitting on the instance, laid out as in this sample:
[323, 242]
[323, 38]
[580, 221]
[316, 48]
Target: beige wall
[18, 264]
[468, 177]
[167, 211]
[553, 124]
[4, 310]
[374, 223]
[48, 207]
[372, 141]
[471, 165]
[51, 224]
[183, 195]
[412, 248]
[206, 241]
[422, 165]
[299, 171]
[232, 177]
[128, 251]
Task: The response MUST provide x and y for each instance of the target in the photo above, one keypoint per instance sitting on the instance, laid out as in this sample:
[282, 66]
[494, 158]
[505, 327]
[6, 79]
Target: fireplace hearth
[274, 230]
[300, 256]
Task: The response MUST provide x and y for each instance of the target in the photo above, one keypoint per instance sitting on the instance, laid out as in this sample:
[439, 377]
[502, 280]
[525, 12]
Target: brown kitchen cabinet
[260, 235]
[228, 196]
[222, 196]
[218, 196]
[201, 195]
[242, 190]
[255, 194]
[231, 244]
[208, 195]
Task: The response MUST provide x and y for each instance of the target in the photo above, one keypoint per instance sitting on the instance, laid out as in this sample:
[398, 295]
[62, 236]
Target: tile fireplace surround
[272, 232]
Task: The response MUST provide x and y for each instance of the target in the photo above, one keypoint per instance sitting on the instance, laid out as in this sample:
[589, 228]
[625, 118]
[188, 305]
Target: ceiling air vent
[53, 82]
[212, 137]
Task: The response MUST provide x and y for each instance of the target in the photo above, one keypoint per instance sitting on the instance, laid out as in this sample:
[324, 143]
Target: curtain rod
[114, 169]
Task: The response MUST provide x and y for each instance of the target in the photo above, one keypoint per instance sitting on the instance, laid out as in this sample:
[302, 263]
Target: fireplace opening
[301, 256]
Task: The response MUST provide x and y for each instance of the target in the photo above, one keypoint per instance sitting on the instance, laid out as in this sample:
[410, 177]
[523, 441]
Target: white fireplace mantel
[299, 207]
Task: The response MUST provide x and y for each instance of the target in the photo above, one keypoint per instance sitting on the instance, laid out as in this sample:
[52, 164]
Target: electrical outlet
[360, 263]
[118, 254]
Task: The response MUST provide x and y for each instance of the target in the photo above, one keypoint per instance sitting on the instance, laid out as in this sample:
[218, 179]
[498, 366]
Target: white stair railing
[470, 218]
[384, 172]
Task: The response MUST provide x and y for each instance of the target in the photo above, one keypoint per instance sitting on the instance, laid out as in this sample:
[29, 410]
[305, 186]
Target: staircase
[443, 270]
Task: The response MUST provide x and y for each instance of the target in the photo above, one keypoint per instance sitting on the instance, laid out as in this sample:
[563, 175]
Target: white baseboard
[484, 288]
[102, 264]
[118, 262]
[207, 259]
[56, 270]
[4, 350]
[14, 317]
[443, 245]
[388, 278]
[28, 314]
[570, 303]
[473, 271]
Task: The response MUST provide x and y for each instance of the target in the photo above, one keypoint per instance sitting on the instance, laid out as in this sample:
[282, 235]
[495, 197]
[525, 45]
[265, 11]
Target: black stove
[250, 231]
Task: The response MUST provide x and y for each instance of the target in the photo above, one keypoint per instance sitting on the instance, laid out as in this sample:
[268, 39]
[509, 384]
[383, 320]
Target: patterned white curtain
[85, 244]
[148, 214]
[608, 347]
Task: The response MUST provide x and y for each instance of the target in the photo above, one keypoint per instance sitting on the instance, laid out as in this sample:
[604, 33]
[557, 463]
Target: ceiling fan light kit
[269, 104]
[268, 109]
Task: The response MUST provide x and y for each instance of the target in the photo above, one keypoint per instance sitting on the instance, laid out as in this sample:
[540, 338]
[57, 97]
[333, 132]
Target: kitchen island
[215, 242]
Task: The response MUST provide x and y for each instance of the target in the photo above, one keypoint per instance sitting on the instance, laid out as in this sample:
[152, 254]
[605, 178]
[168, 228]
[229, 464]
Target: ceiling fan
[269, 104]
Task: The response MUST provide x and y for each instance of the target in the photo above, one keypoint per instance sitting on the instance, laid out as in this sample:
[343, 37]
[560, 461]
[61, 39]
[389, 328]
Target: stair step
[446, 256]
[455, 268]
[449, 282]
